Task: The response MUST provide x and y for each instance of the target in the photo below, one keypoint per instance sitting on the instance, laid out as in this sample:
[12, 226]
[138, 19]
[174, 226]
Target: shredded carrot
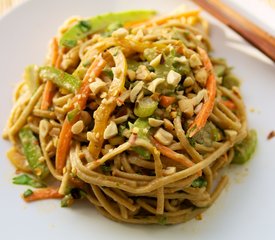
[135, 23]
[47, 96]
[63, 145]
[59, 60]
[79, 102]
[166, 101]
[93, 71]
[54, 51]
[49, 87]
[208, 105]
[164, 19]
[172, 154]
[43, 193]
[229, 104]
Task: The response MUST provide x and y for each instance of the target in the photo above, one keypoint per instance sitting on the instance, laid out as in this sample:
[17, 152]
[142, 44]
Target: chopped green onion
[162, 220]
[142, 152]
[245, 149]
[143, 126]
[106, 169]
[199, 182]
[27, 193]
[192, 141]
[72, 114]
[108, 72]
[145, 107]
[78, 193]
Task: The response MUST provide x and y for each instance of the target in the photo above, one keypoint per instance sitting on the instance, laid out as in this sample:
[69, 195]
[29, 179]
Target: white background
[246, 210]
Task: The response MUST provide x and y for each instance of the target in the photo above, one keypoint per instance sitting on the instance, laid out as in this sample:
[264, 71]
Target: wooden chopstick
[248, 30]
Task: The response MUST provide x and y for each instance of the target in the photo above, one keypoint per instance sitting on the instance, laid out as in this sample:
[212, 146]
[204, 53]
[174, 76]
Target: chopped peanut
[163, 137]
[111, 130]
[173, 78]
[155, 122]
[156, 61]
[195, 60]
[78, 127]
[143, 73]
[153, 85]
[135, 91]
[97, 86]
[120, 33]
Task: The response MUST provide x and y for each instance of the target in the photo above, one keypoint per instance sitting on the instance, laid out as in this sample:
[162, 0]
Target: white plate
[246, 210]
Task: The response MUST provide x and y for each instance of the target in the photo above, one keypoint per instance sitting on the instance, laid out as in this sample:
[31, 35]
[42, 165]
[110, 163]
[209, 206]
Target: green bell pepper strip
[32, 151]
[25, 179]
[98, 23]
[60, 78]
[31, 77]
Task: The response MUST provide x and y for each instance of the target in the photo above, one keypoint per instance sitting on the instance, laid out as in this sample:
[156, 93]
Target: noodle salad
[131, 113]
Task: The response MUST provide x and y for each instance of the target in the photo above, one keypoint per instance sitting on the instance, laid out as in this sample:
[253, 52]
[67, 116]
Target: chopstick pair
[248, 30]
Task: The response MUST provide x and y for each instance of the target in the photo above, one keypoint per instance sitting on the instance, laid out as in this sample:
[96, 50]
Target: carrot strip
[47, 96]
[135, 23]
[166, 101]
[43, 193]
[207, 107]
[229, 104]
[172, 154]
[63, 145]
[78, 102]
[58, 61]
[49, 87]
[54, 51]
